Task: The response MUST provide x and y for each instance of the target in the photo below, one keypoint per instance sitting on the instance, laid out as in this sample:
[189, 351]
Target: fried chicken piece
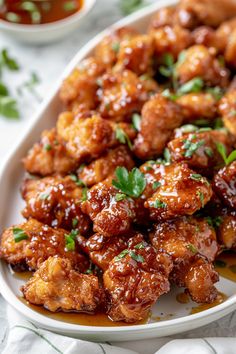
[85, 138]
[163, 17]
[224, 184]
[226, 231]
[57, 286]
[109, 47]
[110, 217]
[227, 108]
[199, 150]
[103, 249]
[171, 40]
[223, 33]
[81, 85]
[200, 61]
[192, 244]
[39, 243]
[136, 54]
[121, 94]
[55, 201]
[178, 192]
[49, 156]
[192, 13]
[207, 36]
[103, 167]
[230, 50]
[159, 117]
[198, 105]
[135, 280]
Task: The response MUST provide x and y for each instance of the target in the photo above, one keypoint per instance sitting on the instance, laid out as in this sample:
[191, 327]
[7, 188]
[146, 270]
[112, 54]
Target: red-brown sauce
[38, 12]
[226, 265]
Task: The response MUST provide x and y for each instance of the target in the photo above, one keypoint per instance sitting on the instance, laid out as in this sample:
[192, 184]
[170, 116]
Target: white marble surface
[49, 61]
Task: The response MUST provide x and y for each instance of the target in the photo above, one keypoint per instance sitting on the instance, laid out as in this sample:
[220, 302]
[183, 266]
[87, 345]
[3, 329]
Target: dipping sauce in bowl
[38, 11]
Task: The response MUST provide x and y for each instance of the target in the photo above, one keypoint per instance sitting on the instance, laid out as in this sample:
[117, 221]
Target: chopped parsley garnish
[216, 92]
[84, 194]
[44, 196]
[156, 185]
[121, 255]
[158, 204]
[214, 222]
[77, 181]
[223, 152]
[70, 240]
[122, 137]
[19, 234]
[195, 85]
[167, 156]
[188, 128]
[208, 151]
[136, 121]
[132, 254]
[74, 222]
[8, 107]
[201, 197]
[192, 248]
[130, 183]
[120, 196]
[196, 177]
[191, 147]
[29, 85]
[139, 246]
[47, 147]
[116, 47]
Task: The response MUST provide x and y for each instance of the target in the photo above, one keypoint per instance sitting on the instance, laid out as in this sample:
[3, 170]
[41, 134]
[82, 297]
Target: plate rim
[7, 292]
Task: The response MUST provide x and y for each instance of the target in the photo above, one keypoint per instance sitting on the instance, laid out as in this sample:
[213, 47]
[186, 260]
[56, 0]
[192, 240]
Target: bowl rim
[10, 26]
[6, 291]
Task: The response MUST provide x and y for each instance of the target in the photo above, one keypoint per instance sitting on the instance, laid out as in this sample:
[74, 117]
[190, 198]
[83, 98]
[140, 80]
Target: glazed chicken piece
[121, 94]
[198, 106]
[159, 117]
[57, 286]
[55, 201]
[171, 40]
[111, 217]
[226, 231]
[205, 35]
[200, 61]
[103, 167]
[192, 244]
[78, 90]
[227, 108]
[224, 185]
[230, 50]
[177, 191]
[192, 13]
[136, 54]
[49, 156]
[223, 33]
[135, 280]
[32, 242]
[107, 50]
[102, 249]
[199, 150]
[163, 17]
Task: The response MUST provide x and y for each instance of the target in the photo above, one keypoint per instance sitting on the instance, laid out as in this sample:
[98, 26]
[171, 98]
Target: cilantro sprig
[122, 137]
[223, 152]
[136, 257]
[130, 183]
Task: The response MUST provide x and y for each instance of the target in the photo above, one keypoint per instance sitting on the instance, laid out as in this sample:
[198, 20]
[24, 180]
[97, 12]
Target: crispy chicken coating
[230, 51]
[198, 106]
[191, 13]
[55, 201]
[224, 184]
[205, 35]
[103, 167]
[136, 54]
[108, 49]
[227, 108]
[80, 87]
[178, 192]
[192, 244]
[57, 286]
[159, 117]
[199, 150]
[223, 33]
[163, 17]
[40, 242]
[135, 280]
[200, 61]
[171, 40]
[49, 156]
[226, 231]
[121, 94]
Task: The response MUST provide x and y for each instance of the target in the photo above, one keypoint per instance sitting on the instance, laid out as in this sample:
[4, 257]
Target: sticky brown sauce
[202, 307]
[38, 12]
[226, 265]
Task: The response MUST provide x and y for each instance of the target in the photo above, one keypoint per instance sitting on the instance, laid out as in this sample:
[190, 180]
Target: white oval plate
[175, 317]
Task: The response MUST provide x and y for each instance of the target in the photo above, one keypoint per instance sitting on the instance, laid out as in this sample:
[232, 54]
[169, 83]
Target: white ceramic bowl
[46, 33]
[175, 317]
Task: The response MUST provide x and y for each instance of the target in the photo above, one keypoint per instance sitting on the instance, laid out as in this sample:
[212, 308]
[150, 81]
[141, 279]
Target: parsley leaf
[196, 177]
[70, 240]
[156, 185]
[120, 196]
[194, 85]
[130, 183]
[121, 255]
[122, 137]
[158, 204]
[192, 248]
[201, 197]
[191, 147]
[222, 151]
[8, 107]
[136, 121]
[77, 181]
[132, 254]
[7, 61]
[19, 234]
